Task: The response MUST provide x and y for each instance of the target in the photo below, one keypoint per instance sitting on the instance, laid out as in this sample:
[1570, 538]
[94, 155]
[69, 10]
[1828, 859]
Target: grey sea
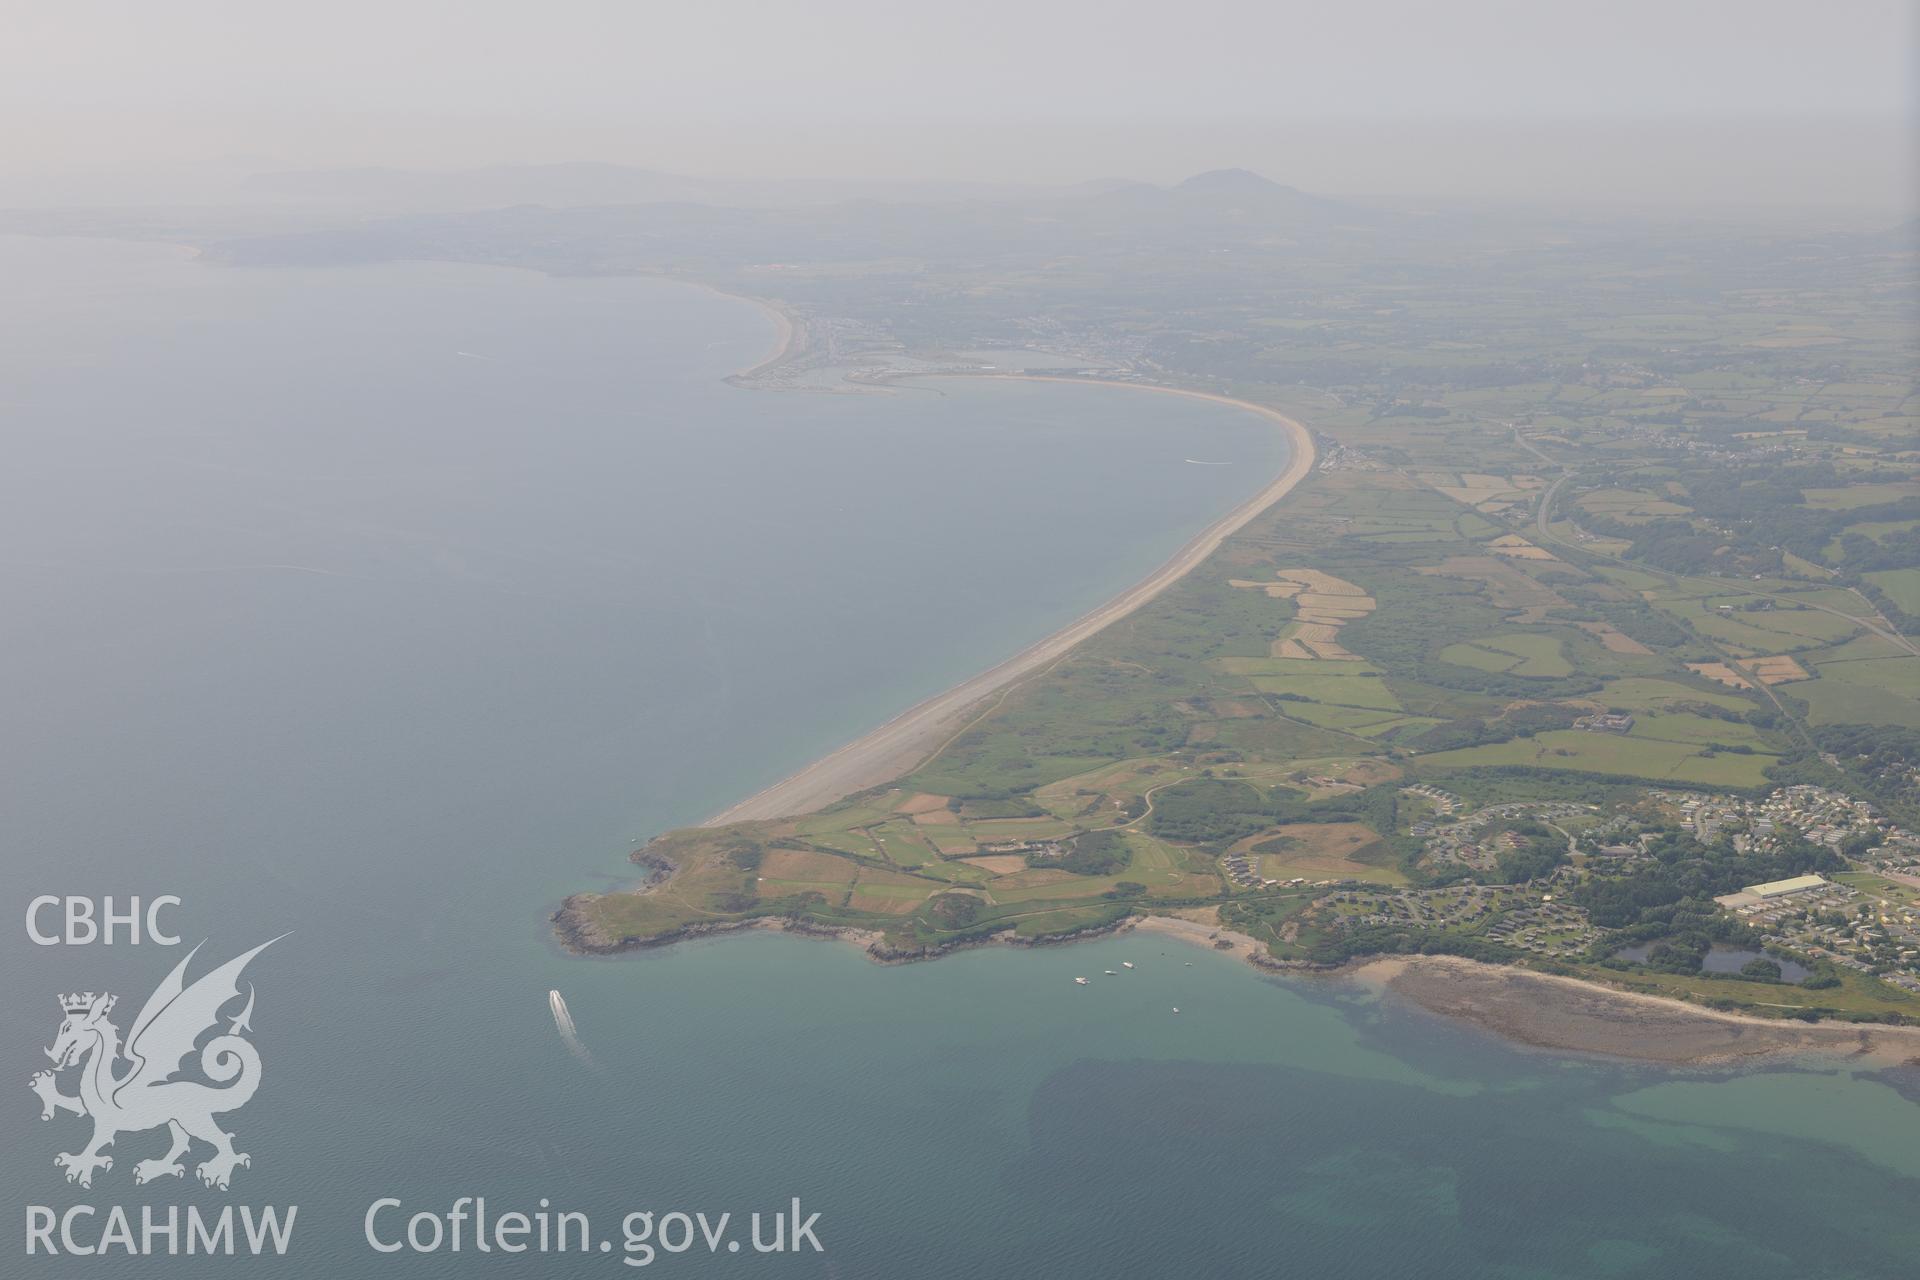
[382, 607]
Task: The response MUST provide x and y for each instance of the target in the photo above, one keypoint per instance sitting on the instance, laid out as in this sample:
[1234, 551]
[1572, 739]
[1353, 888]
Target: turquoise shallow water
[385, 605]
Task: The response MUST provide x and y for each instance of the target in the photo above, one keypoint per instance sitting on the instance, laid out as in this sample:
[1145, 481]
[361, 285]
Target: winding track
[903, 742]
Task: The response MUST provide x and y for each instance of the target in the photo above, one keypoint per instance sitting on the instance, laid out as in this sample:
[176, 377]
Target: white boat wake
[1198, 463]
[563, 1023]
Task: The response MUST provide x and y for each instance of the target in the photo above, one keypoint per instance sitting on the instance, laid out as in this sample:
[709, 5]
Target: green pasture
[1583, 752]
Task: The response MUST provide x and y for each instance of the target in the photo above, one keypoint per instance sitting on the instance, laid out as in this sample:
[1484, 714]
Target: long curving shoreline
[905, 741]
[790, 340]
[1549, 1012]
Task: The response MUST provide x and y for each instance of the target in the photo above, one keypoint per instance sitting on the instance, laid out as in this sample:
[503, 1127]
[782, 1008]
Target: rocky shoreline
[1538, 1010]
[578, 937]
[1570, 1015]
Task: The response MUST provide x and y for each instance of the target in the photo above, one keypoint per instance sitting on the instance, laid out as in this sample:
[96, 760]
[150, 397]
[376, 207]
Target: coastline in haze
[384, 642]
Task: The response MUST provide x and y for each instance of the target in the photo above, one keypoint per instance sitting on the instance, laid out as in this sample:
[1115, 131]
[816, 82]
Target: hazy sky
[988, 89]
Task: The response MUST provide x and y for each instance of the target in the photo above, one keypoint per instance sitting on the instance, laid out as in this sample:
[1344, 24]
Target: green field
[1839, 702]
[1582, 752]
[1760, 631]
[1633, 579]
[1899, 676]
[1874, 529]
[1347, 692]
[1519, 655]
[1901, 585]
[1347, 719]
[1405, 726]
[1858, 649]
[1859, 495]
[1630, 506]
[1700, 730]
[1877, 529]
[1295, 667]
[1637, 693]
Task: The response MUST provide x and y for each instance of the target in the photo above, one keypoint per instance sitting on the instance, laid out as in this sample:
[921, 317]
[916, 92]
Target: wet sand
[1567, 1015]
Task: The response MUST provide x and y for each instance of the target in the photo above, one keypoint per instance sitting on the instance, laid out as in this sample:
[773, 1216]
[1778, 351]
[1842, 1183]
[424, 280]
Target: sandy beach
[903, 742]
[789, 339]
[1544, 1011]
[1568, 1015]
[1199, 933]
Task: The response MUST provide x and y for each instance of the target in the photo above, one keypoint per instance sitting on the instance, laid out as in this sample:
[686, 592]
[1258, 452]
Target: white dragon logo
[145, 1095]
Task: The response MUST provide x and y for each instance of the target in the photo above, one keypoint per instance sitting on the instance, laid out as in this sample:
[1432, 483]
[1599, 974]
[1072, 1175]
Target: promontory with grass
[1585, 646]
[1524, 673]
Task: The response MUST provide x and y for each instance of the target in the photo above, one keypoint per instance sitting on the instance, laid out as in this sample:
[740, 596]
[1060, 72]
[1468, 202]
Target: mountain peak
[1229, 180]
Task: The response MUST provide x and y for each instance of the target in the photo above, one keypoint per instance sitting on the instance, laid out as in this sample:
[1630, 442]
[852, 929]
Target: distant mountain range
[1233, 182]
[575, 186]
[585, 184]
[599, 217]
[1232, 194]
